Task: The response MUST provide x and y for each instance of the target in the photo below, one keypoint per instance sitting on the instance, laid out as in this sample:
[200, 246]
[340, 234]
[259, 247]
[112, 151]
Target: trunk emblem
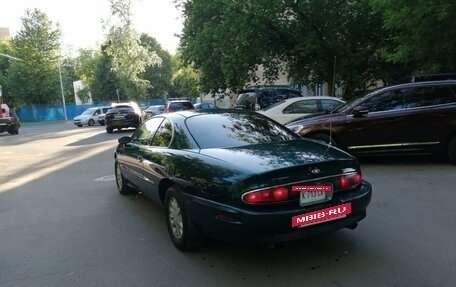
[315, 170]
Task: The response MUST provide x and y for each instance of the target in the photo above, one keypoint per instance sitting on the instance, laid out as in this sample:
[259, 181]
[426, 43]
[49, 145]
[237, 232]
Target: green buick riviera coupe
[239, 176]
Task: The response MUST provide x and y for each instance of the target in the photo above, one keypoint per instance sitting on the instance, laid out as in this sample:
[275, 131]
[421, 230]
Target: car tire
[109, 130]
[184, 233]
[452, 150]
[121, 182]
[324, 138]
[102, 123]
[80, 126]
[91, 123]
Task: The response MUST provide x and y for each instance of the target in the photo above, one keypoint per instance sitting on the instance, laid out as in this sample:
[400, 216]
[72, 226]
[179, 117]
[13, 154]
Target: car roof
[199, 104]
[312, 98]
[415, 84]
[124, 103]
[192, 113]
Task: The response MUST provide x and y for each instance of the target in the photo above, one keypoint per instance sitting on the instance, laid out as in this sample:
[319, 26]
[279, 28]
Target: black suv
[261, 98]
[178, 104]
[123, 115]
[415, 117]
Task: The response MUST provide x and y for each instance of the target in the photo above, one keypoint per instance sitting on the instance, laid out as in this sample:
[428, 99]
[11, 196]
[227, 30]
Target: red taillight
[270, 195]
[350, 180]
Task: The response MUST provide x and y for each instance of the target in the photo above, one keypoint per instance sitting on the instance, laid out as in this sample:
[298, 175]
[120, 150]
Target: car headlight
[294, 128]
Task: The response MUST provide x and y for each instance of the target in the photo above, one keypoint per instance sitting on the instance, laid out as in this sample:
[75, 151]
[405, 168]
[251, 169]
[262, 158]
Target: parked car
[9, 121]
[261, 98]
[123, 115]
[291, 109]
[204, 106]
[429, 77]
[415, 117]
[239, 176]
[178, 104]
[91, 116]
[154, 110]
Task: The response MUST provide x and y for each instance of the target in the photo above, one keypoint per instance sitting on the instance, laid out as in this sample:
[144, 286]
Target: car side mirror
[360, 111]
[124, 140]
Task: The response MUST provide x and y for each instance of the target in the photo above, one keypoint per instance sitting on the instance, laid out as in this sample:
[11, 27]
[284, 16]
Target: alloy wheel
[118, 177]
[175, 218]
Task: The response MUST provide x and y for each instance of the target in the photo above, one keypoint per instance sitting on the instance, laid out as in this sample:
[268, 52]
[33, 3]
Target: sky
[80, 20]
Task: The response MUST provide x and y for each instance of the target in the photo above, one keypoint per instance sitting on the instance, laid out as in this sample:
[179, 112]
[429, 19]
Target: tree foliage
[94, 68]
[68, 70]
[129, 58]
[227, 40]
[5, 49]
[185, 81]
[421, 34]
[35, 79]
[159, 76]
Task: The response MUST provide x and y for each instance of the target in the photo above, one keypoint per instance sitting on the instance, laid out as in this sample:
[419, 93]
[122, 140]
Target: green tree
[129, 58]
[35, 79]
[5, 49]
[185, 80]
[159, 76]
[421, 34]
[94, 68]
[68, 69]
[227, 40]
[210, 41]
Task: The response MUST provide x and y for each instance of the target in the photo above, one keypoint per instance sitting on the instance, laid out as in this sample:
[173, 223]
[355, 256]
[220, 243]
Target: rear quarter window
[430, 96]
[163, 135]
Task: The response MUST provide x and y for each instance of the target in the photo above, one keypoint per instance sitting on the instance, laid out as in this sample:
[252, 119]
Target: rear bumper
[8, 126]
[122, 123]
[242, 225]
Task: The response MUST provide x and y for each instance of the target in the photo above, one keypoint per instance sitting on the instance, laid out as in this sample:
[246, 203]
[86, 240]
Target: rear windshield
[180, 106]
[270, 97]
[121, 109]
[235, 130]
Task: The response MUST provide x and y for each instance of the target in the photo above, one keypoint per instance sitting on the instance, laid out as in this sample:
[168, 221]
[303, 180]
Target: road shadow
[102, 137]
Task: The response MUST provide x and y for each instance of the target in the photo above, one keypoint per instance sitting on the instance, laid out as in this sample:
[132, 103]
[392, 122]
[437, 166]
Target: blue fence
[38, 113]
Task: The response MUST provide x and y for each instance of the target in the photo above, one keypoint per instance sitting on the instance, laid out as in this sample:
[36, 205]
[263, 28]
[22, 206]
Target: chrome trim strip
[392, 145]
[410, 109]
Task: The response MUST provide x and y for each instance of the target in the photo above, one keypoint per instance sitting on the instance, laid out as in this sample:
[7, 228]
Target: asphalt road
[62, 223]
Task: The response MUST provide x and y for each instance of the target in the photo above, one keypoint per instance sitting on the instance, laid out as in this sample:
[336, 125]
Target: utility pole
[61, 90]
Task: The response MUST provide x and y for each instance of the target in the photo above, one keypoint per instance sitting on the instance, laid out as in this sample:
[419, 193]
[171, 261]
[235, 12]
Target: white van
[91, 116]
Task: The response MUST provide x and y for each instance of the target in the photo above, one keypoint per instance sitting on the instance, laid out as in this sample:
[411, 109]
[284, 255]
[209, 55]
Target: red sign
[321, 215]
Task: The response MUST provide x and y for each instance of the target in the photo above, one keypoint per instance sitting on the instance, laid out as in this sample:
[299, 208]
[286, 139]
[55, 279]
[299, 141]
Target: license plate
[311, 195]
